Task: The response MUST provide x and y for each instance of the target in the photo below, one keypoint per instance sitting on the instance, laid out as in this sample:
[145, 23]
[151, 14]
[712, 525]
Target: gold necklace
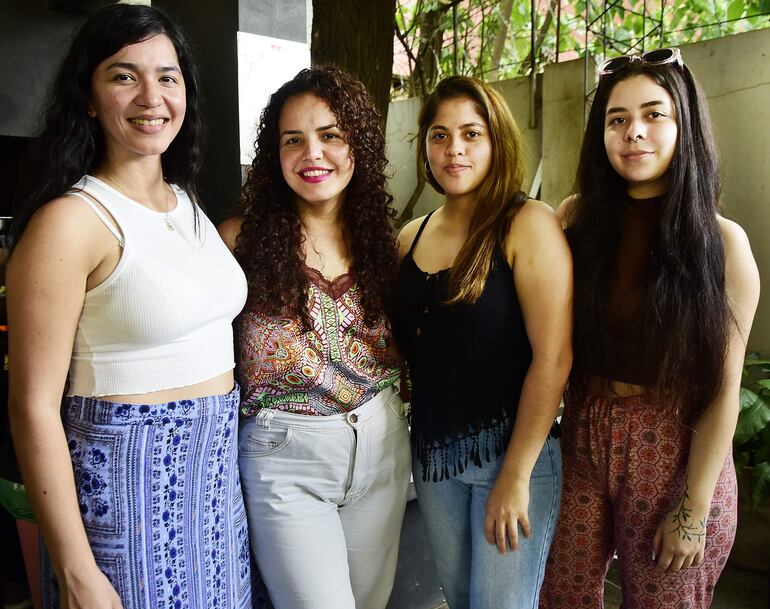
[166, 219]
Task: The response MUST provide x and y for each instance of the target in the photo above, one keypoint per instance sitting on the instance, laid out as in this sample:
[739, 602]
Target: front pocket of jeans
[397, 407]
[261, 442]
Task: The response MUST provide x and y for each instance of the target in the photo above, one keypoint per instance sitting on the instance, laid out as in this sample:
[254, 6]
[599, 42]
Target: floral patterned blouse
[335, 367]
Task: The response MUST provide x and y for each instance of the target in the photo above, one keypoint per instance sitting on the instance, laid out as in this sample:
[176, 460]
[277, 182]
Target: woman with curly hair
[665, 293]
[324, 447]
[121, 296]
[483, 316]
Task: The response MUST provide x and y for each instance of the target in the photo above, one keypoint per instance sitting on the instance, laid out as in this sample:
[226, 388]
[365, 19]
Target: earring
[427, 167]
[91, 113]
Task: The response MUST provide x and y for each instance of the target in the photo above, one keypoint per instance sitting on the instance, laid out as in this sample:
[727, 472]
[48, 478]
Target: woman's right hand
[91, 590]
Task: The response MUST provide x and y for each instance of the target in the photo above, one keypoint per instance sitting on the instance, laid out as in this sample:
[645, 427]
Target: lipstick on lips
[313, 175]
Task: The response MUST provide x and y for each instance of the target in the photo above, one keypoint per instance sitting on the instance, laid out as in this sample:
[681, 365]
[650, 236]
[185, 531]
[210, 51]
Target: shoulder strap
[419, 232]
[99, 213]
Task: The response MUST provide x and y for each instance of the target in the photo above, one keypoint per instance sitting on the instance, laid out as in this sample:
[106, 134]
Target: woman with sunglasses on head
[324, 445]
[121, 295]
[665, 293]
[483, 317]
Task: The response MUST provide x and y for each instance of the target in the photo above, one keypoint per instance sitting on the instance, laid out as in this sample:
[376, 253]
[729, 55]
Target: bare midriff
[219, 385]
[611, 388]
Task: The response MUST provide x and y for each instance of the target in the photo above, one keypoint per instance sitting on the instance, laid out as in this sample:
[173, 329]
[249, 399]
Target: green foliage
[752, 434]
[493, 36]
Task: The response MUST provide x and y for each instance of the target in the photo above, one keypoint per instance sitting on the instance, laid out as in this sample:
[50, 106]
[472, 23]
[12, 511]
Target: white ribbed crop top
[163, 318]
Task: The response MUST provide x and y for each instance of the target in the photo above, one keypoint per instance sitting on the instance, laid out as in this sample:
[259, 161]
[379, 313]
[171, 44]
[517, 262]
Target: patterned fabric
[333, 368]
[161, 501]
[624, 463]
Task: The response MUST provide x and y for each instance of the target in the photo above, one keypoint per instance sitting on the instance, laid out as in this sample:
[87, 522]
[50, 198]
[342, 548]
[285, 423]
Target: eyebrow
[300, 132]
[123, 65]
[656, 102]
[463, 126]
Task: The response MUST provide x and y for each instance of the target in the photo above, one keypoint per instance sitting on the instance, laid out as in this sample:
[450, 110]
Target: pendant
[169, 226]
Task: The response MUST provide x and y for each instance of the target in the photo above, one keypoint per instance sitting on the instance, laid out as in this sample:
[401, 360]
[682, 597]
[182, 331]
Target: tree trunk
[357, 35]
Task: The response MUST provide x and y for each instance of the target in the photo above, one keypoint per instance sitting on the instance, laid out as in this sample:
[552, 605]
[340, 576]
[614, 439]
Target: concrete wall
[563, 124]
[735, 74]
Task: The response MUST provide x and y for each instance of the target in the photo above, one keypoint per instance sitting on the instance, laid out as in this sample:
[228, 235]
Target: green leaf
[751, 421]
[764, 383]
[735, 10]
[763, 452]
[746, 398]
[760, 484]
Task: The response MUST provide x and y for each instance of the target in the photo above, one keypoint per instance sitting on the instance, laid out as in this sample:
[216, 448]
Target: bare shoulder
[534, 216]
[64, 240]
[733, 234]
[566, 209]
[535, 228]
[65, 222]
[407, 234]
[229, 231]
[738, 255]
[742, 275]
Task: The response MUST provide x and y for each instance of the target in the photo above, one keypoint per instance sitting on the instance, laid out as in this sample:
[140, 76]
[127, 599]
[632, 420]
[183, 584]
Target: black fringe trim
[434, 453]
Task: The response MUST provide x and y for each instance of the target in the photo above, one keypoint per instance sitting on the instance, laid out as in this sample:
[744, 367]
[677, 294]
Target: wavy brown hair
[500, 195]
[269, 246]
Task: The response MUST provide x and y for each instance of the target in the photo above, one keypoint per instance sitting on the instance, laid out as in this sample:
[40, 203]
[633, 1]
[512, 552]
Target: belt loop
[264, 417]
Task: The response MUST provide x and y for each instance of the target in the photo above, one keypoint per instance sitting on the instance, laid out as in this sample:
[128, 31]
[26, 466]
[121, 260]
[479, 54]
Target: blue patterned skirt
[160, 497]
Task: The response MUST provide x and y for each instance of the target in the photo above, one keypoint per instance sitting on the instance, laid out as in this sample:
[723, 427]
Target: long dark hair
[500, 195]
[71, 143]
[685, 314]
[269, 246]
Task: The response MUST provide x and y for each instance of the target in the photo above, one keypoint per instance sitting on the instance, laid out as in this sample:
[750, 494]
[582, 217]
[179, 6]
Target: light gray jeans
[325, 499]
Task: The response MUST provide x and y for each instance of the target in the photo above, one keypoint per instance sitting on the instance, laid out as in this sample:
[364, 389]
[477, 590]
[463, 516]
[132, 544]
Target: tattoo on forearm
[682, 520]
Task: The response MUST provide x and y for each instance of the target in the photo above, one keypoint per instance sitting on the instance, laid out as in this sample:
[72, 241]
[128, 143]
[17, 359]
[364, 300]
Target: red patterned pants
[624, 465]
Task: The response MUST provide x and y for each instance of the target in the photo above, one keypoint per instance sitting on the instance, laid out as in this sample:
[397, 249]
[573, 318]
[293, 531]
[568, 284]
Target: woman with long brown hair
[484, 320]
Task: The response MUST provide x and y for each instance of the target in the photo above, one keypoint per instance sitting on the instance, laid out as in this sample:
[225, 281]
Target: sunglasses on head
[658, 57]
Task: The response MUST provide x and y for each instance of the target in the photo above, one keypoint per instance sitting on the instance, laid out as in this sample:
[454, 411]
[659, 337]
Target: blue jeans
[473, 574]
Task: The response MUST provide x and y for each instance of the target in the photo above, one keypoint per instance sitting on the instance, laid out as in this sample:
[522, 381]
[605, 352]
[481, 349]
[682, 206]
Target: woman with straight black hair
[121, 297]
[665, 293]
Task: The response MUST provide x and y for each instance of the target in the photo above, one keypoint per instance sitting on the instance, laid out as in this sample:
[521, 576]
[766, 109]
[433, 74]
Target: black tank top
[467, 363]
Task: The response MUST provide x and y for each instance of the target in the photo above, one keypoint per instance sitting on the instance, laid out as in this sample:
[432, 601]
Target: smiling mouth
[148, 122]
[315, 173]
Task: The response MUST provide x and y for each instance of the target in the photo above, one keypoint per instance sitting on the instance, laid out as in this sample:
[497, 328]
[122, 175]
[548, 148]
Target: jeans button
[353, 418]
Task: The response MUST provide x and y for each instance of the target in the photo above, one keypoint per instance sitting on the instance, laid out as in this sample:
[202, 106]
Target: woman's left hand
[680, 541]
[506, 510]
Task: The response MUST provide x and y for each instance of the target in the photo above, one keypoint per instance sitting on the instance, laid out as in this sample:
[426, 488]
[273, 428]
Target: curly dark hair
[71, 144]
[269, 246]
